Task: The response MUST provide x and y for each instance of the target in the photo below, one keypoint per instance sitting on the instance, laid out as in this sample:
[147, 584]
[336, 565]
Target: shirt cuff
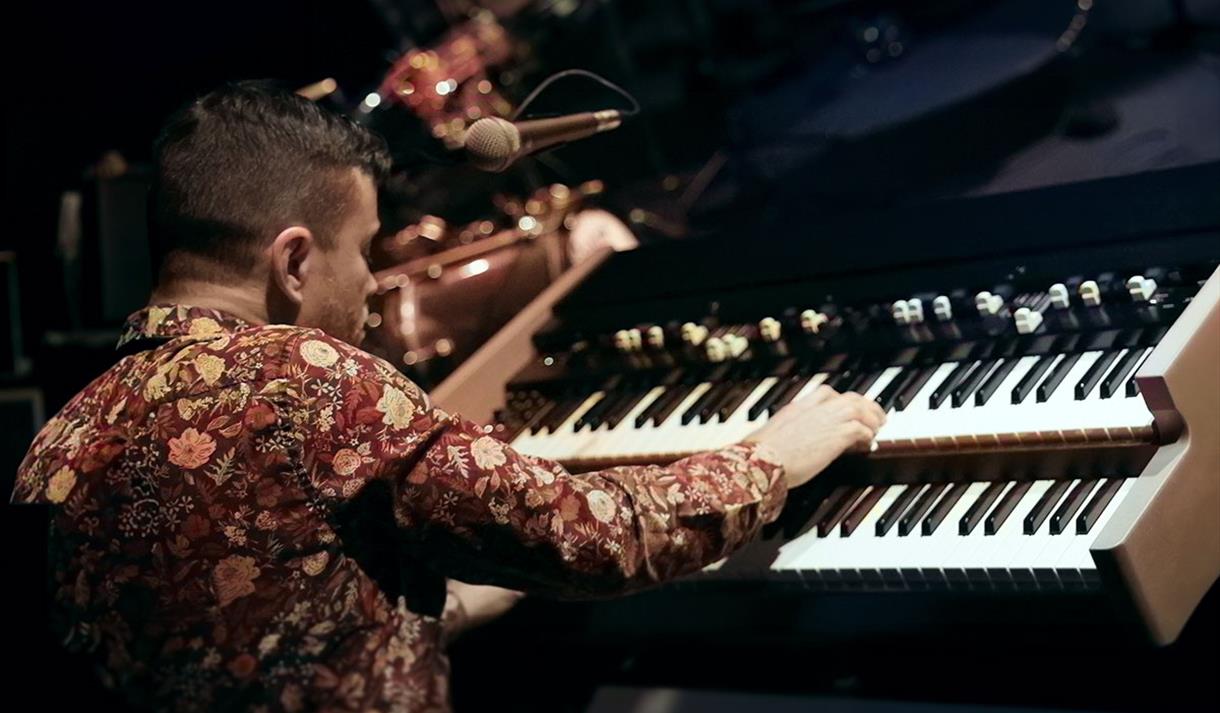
[768, 473]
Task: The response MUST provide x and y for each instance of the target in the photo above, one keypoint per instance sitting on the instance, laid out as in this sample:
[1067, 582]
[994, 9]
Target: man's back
[194, 545]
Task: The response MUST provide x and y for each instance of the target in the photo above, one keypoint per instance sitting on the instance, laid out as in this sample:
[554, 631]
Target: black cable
[635, 105]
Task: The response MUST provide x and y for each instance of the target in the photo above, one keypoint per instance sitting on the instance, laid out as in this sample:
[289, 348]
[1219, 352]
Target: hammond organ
[1049, 362]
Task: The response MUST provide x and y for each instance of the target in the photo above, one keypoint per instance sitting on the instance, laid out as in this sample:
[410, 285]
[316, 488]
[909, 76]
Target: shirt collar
[171, 321]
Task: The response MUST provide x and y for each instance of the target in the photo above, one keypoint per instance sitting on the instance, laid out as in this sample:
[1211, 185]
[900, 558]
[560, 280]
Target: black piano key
[913, 387]
[657, 404]
[616, 413]
[886, 522]
[734, 401]
[592, 415]
[563, 403]
[1052, 381]
[999, 515]
[975, 514]
[718, 394]
[672, 398]
[565, 409]
[538, 422]
[592, 418]
[559, 402]
[835, 515]
[971, 381]
[1097, 505]
[1132, 389]
[866, 381]
[1045, 505]
[620, 410]
[828, 504]
[1094, 373]
[860, 510]
[1030, 380]
[946, 387]
[805, 367]
[840, 381]
[782, 369]
[889, 394]
[1112, 384]
[1061, 520]
[785, 397]
[992, 384]
[700, 403]
[938, 513]
[789, 394]
[911, 518]
[764, 403]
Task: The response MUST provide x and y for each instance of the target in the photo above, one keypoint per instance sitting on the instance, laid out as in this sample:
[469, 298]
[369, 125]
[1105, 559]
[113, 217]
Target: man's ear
[292, 254]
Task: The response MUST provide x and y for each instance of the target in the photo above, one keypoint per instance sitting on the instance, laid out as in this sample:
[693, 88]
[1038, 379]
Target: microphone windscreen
[491, 143]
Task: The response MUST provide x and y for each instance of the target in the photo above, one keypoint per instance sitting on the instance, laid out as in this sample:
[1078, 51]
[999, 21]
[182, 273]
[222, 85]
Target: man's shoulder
[316, 355]
[327, 355]
[277, 344]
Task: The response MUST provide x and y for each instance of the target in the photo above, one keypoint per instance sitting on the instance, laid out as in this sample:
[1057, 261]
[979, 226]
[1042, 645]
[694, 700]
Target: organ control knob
[915, 310]
[812, 321]
[736, 344]
[1060, 297]
[656, 337]
[901, 310]
[716, 349]
[988, 304]
[1090, 293]
[622, 341]
[636, 339]
[1027, 320]
[693, 334]
[770, 329]
[942, 308]
[1141, 288]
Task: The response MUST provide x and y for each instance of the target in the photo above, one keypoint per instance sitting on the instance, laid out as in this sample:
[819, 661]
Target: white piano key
[810, 386]
[914, 421]
[1029, 557]
[559, 443]
[882, 381]
[1077, 558]
[666, 437]
[610, 441]
[997, 558]
[570, 441]
[941, 547]
[894, 559]
[961, 566]
[1046, 565]
[865, 547]
[839, 555]
[739, 425]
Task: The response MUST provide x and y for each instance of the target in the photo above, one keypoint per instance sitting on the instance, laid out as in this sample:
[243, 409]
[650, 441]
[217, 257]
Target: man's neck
[243, 302]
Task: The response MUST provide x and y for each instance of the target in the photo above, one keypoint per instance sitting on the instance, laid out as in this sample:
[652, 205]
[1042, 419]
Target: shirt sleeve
[483, 513]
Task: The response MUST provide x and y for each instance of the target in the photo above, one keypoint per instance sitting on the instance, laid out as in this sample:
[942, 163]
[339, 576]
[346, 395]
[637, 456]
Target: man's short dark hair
[244, 162]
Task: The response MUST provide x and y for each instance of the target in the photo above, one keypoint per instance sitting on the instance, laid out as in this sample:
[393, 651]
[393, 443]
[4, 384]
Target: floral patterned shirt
[263, 517]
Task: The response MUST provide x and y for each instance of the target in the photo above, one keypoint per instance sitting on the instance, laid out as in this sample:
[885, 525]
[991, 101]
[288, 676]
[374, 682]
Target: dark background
[781, 95]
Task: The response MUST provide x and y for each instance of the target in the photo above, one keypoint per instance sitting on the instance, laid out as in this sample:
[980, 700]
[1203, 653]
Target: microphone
[493, 144]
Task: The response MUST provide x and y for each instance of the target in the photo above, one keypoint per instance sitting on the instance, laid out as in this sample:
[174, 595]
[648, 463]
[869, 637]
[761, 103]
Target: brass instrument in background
[454, 287]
